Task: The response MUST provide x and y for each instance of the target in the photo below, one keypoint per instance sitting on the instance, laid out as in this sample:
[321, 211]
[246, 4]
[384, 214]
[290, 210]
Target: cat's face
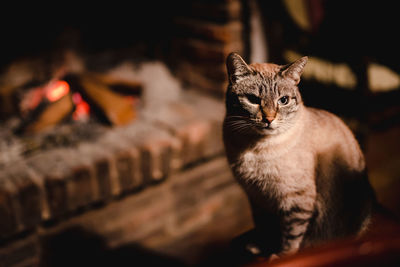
[262, 98]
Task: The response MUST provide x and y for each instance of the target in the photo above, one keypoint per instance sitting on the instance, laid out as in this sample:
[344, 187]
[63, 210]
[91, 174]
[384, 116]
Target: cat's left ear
[237, 67]
[294, 70]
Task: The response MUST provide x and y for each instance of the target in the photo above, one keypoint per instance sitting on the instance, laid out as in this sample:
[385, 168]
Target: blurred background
[110, 123]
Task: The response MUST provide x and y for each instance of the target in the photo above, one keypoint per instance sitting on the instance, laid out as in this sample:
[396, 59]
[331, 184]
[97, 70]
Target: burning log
[18, 75]
[32, 98]
[125, 87]
[54, 113]
[43, 107]
[118, 109]
[109, 106]
[78, 96]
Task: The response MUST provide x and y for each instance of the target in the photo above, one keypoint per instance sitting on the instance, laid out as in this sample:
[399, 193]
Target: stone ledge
[56, 183]
[164, 218]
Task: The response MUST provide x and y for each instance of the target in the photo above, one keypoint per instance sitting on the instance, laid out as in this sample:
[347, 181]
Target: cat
[302, 168]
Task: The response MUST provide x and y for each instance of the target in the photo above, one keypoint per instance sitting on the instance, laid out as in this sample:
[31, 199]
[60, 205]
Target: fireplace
[110, 126]
[110, 123]
[56, 69]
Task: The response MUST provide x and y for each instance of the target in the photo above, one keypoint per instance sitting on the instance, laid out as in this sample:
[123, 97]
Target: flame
[57, 89]
[82, 108]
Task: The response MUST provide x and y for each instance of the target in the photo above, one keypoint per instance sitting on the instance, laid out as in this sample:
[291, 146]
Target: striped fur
[301, 168]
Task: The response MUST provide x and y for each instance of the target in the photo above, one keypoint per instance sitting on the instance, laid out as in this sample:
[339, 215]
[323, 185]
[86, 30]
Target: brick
[218, 11]
[197, 121]
[217, 73]
[188, 203]
[101, 160]
[176, 161]
[103, 175]
[189, 185]
[30, 191]
[79, 173]
[160, 151]
[202, 193]
[128, 219]
[80, 190]
[50, 166]
[215, 145]
[21, 252]
[213, 110]
[172, 115]
[194, 137]
[153, 217]
[156, 160]
[147, 214]
[105, 160]
[10, 222]
[219, 220]
[179, 119]
[68, 179]
[222, 33]
[203, 51]
[203, 83]
[210, 107]
[128, 167]
[125, 162]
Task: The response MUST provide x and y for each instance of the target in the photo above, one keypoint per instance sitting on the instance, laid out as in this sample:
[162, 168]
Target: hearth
[112, 121]
[79, 96]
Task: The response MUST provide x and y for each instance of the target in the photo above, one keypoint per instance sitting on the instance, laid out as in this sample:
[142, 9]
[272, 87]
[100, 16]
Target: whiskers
[239, 124]
[244, 125]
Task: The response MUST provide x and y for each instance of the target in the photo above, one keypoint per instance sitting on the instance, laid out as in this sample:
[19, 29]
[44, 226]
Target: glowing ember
[31, 100]
[82, 108]
[57, 89]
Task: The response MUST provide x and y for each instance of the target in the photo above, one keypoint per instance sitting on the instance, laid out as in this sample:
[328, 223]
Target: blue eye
[253, 99]
[283, 100]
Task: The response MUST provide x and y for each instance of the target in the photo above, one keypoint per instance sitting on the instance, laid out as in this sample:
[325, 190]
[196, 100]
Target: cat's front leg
[294, 226]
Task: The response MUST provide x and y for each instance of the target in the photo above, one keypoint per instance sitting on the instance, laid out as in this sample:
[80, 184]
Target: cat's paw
[273, 257]
[253, 249]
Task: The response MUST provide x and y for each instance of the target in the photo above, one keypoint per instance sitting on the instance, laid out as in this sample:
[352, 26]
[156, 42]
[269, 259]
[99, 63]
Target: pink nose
[270, 119]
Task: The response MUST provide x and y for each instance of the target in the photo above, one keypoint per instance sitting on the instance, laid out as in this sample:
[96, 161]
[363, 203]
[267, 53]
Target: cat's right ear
[294, 70]
[237, 68]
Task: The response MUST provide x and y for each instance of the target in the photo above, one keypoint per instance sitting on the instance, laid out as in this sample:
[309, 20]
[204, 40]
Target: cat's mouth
[265, 128]
[265, 125]
[243, 125]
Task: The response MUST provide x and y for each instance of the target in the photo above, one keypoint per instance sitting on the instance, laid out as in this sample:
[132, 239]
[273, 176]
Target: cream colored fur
[295, 174]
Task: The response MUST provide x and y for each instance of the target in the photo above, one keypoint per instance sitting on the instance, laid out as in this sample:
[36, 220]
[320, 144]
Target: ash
[160, 89]
[14, 148]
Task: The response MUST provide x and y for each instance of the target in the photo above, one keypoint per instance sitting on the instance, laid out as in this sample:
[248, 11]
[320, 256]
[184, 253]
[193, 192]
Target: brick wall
[138, 179]
[161, 182]
[206, 33]
[183, 217]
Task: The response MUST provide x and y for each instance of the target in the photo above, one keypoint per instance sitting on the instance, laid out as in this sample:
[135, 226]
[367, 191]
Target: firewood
[52, 114]
[118, 109]
[7, 103]
[19, 75]
[123, 86]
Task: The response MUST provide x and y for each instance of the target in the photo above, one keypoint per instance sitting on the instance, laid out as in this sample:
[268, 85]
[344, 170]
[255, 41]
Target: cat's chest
[273, 167]
[251, 165]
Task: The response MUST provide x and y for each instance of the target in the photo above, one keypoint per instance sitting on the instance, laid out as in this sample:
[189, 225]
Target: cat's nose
[269, 119]
[269, 115]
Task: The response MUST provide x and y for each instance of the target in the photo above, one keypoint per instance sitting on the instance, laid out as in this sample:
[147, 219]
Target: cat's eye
[253, 99]
[284, 100]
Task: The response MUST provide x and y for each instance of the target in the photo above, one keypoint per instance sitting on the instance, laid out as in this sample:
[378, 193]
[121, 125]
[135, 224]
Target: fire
[82, 108]
[56, 90]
